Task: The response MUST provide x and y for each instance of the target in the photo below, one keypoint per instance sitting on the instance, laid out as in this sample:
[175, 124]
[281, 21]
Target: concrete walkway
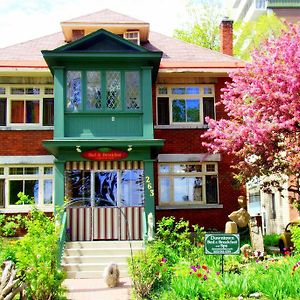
[86, 289]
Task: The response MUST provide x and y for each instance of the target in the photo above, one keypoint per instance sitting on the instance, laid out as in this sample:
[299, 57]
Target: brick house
[108, 116]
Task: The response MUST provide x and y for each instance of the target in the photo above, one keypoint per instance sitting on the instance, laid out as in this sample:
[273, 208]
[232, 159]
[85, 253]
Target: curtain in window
[17, 111]
[32, 111]
[48, 112]
[2, 112]
[2, 192]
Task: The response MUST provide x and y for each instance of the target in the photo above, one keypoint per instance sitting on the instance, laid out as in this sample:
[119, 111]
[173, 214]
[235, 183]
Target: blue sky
[22, 20]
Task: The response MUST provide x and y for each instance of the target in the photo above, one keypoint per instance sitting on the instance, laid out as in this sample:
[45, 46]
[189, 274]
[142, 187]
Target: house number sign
[149, 186]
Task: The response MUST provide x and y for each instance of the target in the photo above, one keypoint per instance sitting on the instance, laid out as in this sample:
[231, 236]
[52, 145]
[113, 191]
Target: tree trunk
[9, 284]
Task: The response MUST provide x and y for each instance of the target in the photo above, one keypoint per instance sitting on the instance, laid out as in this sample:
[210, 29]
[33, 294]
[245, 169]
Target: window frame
[172, 174]
[171, 97]
[40, 176]
[44, 93]
[103, 87]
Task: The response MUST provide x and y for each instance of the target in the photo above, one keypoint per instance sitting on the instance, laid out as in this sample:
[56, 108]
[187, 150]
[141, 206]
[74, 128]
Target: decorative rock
[256, 295]
[240, 297]
[231, 227]
[256, 237]
[240, 217]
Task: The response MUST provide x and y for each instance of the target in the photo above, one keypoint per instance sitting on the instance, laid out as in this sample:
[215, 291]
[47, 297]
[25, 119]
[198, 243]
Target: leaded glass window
[113, 90]
[2, 90]
[94, 92]
[74, 97]
[132, 86]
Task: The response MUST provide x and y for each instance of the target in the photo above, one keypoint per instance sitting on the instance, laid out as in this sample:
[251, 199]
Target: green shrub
[296, 237]
[271, 240]
[10, 224]
[37, 255]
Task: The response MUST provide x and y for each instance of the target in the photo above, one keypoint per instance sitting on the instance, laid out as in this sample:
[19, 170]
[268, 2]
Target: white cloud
[24, 20]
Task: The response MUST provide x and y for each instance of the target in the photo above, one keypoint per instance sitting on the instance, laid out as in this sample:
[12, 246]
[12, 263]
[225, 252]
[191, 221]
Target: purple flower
[218, 273]
[194, 268]
[163, 260]
[205, 277]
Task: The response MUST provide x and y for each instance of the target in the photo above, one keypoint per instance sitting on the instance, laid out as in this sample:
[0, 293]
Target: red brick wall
[189, 141]
[22, 142]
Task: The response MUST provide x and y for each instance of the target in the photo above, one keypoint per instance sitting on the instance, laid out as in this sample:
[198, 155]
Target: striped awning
[104, 165]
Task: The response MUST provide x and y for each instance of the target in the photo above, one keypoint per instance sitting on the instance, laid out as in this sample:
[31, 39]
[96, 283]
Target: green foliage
[271, 240]
[9, 224]
[249, 35]
[37, 258]
[24, 199]
[203, 29]
[296, 237]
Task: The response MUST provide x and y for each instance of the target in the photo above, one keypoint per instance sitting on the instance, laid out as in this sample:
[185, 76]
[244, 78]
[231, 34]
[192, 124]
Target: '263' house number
[149, 186]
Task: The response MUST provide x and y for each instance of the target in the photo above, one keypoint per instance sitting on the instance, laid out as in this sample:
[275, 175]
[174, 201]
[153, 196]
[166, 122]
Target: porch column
[59, 182]
[149, 195]
[59, 102]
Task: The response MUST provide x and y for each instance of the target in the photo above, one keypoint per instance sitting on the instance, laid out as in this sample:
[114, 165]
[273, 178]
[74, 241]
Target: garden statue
[256, 237]
[111, 275]
[150, 227]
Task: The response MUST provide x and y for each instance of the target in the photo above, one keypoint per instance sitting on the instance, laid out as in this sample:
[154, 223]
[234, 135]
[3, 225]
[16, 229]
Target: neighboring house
[108, 115]
[250, 10]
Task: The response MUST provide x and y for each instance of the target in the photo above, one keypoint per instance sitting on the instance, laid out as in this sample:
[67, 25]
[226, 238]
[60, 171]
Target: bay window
[103, 91]
[185, 104]
[187, 183]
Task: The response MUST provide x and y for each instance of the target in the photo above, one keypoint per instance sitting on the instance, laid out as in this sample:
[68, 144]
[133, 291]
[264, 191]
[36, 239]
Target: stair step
[105, 244]
[99, 251]
[95, 259]
[91, 274]
[91, 267]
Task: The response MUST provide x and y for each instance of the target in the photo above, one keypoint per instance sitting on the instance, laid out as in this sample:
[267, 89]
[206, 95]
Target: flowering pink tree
[263, 105]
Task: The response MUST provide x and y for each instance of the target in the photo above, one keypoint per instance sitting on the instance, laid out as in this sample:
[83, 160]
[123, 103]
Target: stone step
[91, 266]
[95, 259]
[105, 244]
[99, 251]
[91, 274]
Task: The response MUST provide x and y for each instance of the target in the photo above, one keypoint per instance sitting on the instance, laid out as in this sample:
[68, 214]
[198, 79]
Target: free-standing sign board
[222, 243]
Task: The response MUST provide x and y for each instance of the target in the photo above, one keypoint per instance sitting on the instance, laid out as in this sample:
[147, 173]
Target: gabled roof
[176, 53]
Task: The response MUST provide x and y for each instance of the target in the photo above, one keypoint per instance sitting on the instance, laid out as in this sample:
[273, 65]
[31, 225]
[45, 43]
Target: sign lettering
[222, 243]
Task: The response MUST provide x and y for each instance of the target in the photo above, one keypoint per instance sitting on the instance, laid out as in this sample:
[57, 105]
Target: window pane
[48, 191]
[164, 189]
[32, 111]
[132, 86]
[132, 188]
[178, 110]
[192, 90]
[192, 110]
[184, 168]
[211, 189]
[183, 189]
[2, 90]
[113, 89]
[78, 185]
[32, 91]
[178, 91]
[163, 114]
[197, 189]
[15, 186]
[163, 90]
[106, 188]
[48, 170]
[16, 171]
[48, 112]
[94, 93]
[2, 112]
[17, 91]
[30, 171]
[32, 189]
[1, 171]
[74, 100]
[210, 168]
[17, 112]
[2, 193]
[207, 90]
[208, 108]
[164, 169]
[49, 91]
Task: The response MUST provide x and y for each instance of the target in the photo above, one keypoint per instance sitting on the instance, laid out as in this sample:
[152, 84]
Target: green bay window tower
[103, 141]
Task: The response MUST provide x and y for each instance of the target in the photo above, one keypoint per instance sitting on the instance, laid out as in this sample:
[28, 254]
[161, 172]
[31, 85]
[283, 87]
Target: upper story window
[103, 91]
[132, 36]
[185, 104]
[26, 105]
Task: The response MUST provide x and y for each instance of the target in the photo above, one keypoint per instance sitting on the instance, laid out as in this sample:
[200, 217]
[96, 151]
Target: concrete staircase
[88, 259]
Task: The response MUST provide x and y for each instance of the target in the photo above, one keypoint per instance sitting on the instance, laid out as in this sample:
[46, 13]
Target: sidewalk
[81, 289]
